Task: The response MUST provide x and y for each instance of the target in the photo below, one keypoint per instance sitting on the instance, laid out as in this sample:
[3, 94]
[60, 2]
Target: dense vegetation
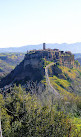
[25, 115]
[8, 61]
[79, 60]
[29, 113]
[66, 79]
[78, 57]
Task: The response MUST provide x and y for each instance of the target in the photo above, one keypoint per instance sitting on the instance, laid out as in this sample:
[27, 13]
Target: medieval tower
[44, 46]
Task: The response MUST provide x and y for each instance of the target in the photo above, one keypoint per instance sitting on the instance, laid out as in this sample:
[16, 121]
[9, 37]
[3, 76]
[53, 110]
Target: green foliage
[61, 82]
[45, 62]
[69, 73]
[77, 63]
[24, 115]
[65, 79]
[8, 61]
[76, 129]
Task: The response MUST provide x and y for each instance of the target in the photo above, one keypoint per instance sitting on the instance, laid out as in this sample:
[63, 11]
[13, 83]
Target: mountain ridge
[73, 47]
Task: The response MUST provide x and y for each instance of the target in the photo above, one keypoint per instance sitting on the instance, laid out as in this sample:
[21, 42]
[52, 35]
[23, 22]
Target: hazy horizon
[39, 44]
[33, 22]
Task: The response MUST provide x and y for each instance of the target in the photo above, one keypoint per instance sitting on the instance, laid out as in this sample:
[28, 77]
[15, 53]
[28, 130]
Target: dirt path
[48, 80]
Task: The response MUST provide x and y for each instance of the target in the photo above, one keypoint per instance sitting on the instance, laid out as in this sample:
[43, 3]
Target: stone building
[64, 58]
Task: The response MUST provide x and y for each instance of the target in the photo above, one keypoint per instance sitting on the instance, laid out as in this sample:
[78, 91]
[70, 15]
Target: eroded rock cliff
[32, 67]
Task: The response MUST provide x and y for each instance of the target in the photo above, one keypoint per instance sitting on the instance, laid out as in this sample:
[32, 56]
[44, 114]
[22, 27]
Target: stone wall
[64, 58]
[67, 60]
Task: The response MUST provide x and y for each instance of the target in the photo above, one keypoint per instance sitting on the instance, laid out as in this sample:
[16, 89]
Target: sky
[28, 22]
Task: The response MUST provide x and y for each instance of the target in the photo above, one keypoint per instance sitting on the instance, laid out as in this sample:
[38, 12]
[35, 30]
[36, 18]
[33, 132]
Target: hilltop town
[33, 65]
[55, 55]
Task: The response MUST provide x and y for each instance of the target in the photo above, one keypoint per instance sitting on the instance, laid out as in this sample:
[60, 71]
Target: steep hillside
[29, 69]
[65, 79]
[8, 62]
[78, 57]
[33, 66]
[79, 60]
[56, 109]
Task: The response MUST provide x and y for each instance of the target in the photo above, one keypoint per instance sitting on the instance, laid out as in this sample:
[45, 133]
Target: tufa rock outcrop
[32, 67]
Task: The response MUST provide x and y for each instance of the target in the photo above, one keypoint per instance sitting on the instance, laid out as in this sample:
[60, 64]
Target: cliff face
[64, 58]
[32, 67]
[29, 69]
[67, 61]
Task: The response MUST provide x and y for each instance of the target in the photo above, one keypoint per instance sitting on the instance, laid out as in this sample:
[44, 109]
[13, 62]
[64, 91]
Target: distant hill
[8, 62]
[74, 47]
[78, 57]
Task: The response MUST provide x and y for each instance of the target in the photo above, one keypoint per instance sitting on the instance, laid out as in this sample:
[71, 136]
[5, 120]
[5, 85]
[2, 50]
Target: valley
[40, 68]
[8, 62]
[43, 92]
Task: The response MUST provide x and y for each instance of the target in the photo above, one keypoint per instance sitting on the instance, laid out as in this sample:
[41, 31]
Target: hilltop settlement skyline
[73, 47]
